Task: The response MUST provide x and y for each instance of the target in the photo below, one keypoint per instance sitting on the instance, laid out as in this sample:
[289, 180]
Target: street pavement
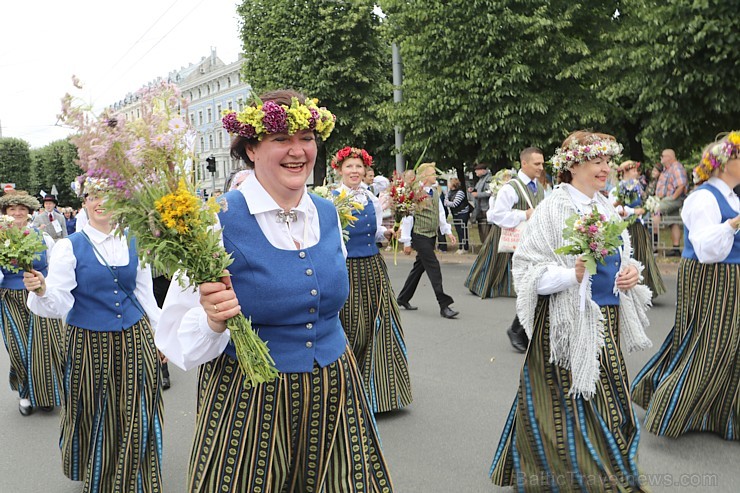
[464, 377]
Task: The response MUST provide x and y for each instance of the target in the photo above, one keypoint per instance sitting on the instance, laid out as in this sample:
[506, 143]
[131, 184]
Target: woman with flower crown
[693, 382]
[370, 316]
[572, 426]
[629, 194]
[311, 429]
[111, 428]
[33, 342]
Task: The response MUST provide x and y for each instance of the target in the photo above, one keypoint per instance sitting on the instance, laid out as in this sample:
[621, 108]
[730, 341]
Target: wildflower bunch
[628, 192]
[344, 203]
[259, 119]
[19, 246]
[407, 196]
[142, 169]
[652, 205]
[717, 156]
[500, 179]
[592, 236]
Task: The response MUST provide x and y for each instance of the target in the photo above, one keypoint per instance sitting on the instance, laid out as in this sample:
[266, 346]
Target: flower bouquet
[407, 196]
[628, 191]
[500, 179]
[652, 205]
[593, 237]
[19, 247]
[145, 164]
[344, 203]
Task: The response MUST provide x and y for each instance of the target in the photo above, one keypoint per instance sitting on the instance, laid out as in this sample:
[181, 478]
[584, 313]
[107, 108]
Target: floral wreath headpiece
[272, 118]
[349, 152]
[19, 197]
[90, 185]
[628, 165]
[717, 156]
[575, 153]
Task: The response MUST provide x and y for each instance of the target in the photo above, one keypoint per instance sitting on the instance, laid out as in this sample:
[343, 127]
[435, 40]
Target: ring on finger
[215, 308]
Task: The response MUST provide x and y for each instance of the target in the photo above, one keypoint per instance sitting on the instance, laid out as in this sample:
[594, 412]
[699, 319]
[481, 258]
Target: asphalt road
[464, 378]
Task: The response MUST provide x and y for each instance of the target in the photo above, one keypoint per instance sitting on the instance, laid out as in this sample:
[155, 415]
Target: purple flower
[314, 118]
[593, 229]
[275, 119]
[593, 246]
[604, 252]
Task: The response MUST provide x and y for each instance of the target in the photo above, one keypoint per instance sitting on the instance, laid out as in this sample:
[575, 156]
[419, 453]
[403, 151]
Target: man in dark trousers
[420, 231]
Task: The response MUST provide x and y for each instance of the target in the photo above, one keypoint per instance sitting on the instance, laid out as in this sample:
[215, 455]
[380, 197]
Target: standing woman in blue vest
[33, 342]
[312, 429]
[693, 382]
[370, 316]
[111, 429]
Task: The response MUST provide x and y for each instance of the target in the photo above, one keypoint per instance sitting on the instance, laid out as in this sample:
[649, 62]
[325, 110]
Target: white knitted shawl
[576, 337]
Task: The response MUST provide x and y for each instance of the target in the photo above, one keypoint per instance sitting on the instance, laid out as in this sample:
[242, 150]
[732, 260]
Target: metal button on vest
[309, 344]
[115, 291]
[312, 310]
[114, 267]
[314, 292]
[309, 272]
[118, 316]
[118, 304]
[309, 326]
[115, 280]
[368, 244]
[302, 254]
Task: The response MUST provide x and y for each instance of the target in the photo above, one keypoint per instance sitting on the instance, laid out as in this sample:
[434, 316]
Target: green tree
[485, 79]
[54, 165]
[327, 49]
[15, 162]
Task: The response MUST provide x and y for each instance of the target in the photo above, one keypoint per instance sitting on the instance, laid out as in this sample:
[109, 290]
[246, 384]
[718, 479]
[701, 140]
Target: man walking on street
[50, 221]
[671, 190]
[420, 230]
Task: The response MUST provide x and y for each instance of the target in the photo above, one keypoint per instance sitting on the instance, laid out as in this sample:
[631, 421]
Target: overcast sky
[113, 47]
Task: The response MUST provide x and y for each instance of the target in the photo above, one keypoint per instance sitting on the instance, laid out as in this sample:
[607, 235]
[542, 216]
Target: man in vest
[515, 203]
[420, 230]
[50, 220]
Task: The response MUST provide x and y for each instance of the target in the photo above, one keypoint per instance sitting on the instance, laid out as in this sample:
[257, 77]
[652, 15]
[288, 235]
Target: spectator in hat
[480, 195]
[50, 221]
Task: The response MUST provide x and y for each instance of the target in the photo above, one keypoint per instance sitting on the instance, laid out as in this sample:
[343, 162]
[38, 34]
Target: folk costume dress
[572, 425]
[111, 429]
[33, 343]
[490, 275]
[691, 384]
[370, 316]
[312, 429]
[642, 248]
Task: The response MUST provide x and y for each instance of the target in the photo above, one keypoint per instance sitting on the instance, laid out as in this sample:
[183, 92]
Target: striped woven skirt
[111, 433]
[691, 384]
[490, 275]
[303, 433]
[34, 345]
[556, 442]
[642, 251]
[372, 322]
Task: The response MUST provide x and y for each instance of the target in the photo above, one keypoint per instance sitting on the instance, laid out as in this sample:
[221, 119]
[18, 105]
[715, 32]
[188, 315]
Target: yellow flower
[179, 210]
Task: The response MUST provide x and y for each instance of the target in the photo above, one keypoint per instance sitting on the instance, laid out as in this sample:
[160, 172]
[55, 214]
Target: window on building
[200, 94]
[218, 85]
[210, 115]
[200, 118]
[228, 81]
[230, 105]
[221, 139]
[202, 145]
[210, 142]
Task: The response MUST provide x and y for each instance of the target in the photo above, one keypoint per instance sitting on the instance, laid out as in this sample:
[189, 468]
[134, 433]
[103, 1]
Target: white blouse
[712, 239]
[504, 215]
[363, 196]
[183, 334]
[57, 301]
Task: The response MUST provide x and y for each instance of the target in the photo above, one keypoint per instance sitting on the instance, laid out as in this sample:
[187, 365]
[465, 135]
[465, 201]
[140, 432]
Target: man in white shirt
[508, 212]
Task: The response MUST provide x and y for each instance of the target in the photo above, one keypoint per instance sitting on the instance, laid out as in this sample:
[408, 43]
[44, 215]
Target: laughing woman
[693, 382]
[370, 316]
[111, 430]
[311, 429]
[33, 342]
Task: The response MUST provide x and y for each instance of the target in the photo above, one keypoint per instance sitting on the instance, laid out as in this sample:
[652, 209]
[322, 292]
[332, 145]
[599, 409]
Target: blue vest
[727, 213]
[292, 296]
[362, 233]
[101, 303]
[602, 284]
[14, 280]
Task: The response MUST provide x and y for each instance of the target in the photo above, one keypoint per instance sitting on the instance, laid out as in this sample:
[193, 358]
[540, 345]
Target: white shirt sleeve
[407, 225]
[711, 238]
[504, 215]
[144, 293]
[379, 228]
[491, 205]
[555, 279]
[57, 300]
[183, 334]
[444, 226]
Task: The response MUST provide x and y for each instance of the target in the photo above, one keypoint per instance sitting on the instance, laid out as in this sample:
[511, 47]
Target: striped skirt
[34, 345]
[556, 442]
[490, 276]
[373, 325]
[111, 433]
[642, 251]
[691, 384]
[303, 433]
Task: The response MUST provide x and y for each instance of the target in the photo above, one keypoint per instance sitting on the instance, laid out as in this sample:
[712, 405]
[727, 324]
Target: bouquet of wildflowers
[652, 205]
[344, 203]
[145, 165]
[628, 191]
[592, 236]
[500, 179]
[407, 195]
[19, 247]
